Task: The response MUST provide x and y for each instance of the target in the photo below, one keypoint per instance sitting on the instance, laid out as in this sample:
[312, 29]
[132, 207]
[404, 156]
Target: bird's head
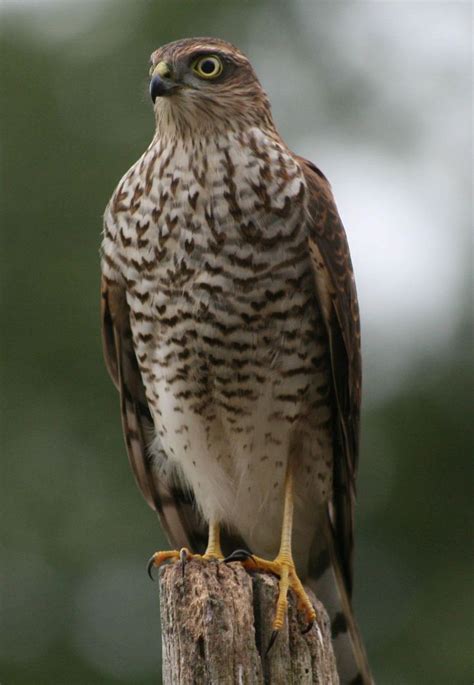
[204, 84]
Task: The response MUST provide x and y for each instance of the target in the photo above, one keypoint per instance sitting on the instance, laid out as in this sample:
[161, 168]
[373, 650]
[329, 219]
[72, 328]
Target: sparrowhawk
[231, 329]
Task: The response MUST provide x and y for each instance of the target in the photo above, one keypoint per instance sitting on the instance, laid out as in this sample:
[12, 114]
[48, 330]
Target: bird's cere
[162, 69]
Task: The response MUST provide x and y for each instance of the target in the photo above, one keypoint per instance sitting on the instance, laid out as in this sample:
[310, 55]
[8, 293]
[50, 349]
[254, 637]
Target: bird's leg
[213, 551]
[282, 566]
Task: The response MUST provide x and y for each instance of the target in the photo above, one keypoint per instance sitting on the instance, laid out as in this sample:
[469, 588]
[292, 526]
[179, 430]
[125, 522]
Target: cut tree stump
[216, 622]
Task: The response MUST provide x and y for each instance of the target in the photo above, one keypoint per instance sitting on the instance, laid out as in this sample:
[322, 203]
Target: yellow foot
[284, 567]
[183, 555]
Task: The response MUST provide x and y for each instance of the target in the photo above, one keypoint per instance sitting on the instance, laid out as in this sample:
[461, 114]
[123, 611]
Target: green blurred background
[377, 94]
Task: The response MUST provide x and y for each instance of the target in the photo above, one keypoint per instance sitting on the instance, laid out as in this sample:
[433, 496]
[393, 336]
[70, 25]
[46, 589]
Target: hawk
[231, 330]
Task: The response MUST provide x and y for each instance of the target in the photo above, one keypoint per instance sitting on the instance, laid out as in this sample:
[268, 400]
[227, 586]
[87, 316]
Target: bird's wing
[337, 295]
[175, 507]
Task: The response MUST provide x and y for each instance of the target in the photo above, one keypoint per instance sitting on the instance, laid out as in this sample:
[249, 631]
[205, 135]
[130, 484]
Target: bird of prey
[231, 330]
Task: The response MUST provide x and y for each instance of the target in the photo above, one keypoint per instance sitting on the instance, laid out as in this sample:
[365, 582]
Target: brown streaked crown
[184, 48]
[235, 97]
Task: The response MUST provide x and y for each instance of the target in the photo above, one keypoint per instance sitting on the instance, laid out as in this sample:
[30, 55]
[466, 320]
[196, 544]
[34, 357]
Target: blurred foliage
[76, 607]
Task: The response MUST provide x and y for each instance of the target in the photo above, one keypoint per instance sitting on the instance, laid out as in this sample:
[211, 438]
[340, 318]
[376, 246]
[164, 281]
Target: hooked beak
[161, 83]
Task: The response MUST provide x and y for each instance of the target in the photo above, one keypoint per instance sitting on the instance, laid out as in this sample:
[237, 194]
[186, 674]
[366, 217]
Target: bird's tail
[327, 582]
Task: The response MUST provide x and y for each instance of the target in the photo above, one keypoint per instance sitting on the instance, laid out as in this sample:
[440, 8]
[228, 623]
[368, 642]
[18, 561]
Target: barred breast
[210, 240]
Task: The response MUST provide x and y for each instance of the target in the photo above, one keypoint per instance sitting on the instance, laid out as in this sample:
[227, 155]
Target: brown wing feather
[174, 506]
[337, 293]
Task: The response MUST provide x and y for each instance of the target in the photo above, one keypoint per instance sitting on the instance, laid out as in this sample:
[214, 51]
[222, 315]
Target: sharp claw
[239, 555]
[272, 641]
[183, 556]
[308, 628]
[149, 566]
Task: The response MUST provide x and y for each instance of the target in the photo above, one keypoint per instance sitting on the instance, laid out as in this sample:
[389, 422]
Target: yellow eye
[208, 67]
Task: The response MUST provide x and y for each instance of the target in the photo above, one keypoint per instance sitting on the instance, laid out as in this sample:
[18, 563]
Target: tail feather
[327, 582]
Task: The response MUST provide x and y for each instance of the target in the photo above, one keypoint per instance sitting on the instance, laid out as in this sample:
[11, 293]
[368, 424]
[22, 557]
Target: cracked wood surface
[216, 626]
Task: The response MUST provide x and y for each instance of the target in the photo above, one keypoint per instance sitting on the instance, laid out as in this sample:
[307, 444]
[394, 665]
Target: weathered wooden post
[216, 627]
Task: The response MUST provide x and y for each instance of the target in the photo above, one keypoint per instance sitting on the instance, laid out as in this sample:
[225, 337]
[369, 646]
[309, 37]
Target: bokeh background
[378, 94]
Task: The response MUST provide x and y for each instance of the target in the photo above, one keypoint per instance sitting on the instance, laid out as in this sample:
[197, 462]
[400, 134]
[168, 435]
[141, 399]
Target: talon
[272, 641]
[149, 566]
[239, 555]
[308, 628]
[160, 558]
[183, 557]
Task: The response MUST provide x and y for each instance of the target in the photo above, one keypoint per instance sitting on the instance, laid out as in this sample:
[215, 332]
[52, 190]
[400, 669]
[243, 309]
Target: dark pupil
[208, 66]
